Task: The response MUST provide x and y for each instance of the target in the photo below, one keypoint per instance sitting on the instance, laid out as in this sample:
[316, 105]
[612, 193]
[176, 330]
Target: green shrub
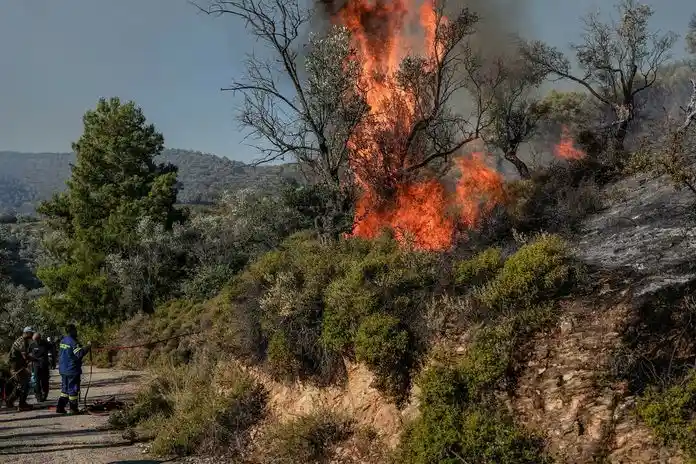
[174, 320]
[310, 299]
[672, 414]
[460, 418]
[385, 347]
[489, 435]
[478, 269]
[536, 272]
[436, 432]
[207, 418]
[490, 355]
[151, 401]
[208, 281]
[490, 359]
[282, 362]
[347, 300]
[450, 429]
[308, 439]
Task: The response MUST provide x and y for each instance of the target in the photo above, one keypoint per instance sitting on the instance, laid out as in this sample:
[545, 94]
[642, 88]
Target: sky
[58, 57]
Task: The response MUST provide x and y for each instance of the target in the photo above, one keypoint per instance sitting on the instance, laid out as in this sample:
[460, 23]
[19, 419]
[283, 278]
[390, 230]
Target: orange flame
[565, 149]
[419, 212]
[479, 189]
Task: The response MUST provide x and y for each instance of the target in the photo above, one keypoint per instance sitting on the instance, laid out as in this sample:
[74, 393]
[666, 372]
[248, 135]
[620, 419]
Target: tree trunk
[620, 137]
[522, 169]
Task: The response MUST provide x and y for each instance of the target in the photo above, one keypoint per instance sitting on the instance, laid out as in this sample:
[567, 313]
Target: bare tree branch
[314, 121]
[690, 109]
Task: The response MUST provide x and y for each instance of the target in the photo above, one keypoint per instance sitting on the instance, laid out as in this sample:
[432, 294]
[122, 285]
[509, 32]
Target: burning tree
[412, 132]
[619, 60]
[411, 125]
[369, 113]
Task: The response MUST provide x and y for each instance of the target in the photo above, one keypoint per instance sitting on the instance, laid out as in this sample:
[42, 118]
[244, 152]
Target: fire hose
[103, 407]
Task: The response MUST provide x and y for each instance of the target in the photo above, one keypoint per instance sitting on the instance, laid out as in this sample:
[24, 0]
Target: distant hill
[29, 178]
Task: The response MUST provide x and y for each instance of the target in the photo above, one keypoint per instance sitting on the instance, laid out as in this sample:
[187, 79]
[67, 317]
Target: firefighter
[70, 356]
[40, 350]
[20, 359]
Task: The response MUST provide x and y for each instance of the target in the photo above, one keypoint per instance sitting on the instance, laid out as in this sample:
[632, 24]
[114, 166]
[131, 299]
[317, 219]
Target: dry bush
[204, 407]
[309, 439]
[557, 198]
[172, 334]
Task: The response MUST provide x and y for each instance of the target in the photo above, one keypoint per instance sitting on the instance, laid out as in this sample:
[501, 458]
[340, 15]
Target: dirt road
[41, 436]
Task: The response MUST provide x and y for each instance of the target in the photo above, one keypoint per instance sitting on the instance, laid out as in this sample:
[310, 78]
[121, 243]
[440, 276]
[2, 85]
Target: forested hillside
[29, 178]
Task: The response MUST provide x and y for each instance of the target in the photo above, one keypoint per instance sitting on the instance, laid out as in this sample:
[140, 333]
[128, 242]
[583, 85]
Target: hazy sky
[57, 57]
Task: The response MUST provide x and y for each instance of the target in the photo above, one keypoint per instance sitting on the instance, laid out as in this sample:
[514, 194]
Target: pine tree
[115, 182]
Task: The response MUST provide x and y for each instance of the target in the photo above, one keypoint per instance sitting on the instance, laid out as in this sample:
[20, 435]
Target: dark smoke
[378, 18]
[330, 7]
[499, 24]
[500, 20]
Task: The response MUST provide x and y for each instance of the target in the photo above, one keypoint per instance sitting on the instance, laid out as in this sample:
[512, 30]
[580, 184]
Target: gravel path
[41, 436]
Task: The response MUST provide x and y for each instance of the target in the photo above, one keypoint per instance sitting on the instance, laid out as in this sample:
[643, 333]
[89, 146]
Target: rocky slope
[638, 247]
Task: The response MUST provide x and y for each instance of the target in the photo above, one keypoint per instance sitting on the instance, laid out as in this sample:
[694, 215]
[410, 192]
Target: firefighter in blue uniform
[70, 367]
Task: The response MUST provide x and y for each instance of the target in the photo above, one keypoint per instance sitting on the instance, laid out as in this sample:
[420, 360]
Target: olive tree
[418, 130]
[671, 150]
[516, 112]
[324, 119]
[314, 120]
[619, 60]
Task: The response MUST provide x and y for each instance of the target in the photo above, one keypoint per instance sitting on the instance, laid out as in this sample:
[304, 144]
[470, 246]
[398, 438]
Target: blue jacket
[70, 356]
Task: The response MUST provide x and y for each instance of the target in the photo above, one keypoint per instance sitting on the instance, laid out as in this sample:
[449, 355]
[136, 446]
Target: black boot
[62, 402]
[74, 407]
[23, 406]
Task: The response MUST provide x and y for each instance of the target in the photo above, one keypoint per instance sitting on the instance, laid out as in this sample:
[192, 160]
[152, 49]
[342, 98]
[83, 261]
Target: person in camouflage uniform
[20, 362]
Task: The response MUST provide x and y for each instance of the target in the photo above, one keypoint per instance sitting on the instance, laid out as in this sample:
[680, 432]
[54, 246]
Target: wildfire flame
[419, 211]
[479, 189]
[565, 149]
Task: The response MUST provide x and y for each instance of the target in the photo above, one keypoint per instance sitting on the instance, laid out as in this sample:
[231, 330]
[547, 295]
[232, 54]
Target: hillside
[29, 178]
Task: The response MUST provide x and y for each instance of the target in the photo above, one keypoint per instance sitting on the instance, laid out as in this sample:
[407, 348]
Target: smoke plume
[500, 20]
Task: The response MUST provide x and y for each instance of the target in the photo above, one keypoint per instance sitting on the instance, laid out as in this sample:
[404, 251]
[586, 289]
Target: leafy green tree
[115, 182]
